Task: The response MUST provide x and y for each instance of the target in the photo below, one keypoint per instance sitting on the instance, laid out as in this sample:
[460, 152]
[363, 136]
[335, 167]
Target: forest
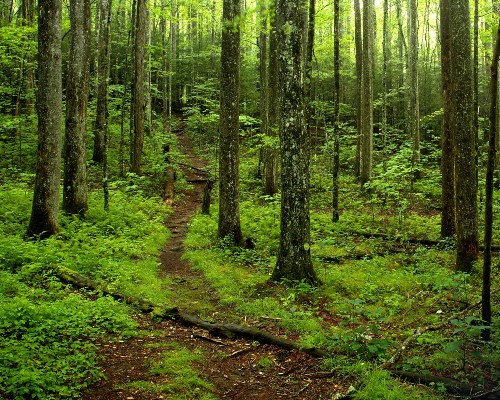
[232, 199]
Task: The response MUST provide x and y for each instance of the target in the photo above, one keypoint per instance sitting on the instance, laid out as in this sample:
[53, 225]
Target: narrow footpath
[232, 369]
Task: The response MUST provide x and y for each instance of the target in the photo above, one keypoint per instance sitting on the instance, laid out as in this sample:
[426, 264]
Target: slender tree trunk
[311, 24]
[401, 109]
[139, 100]
[367, 93]
[385, 60]
[101, 107]
[271, 154]
[359, 79]
[103, 68]
[447, 135]
[465, 143]
[44, 212]
[336, 110]
[413, 103]
[488, 211]
[77, 93]
[264, 109]
[229, 206]
[294, 256]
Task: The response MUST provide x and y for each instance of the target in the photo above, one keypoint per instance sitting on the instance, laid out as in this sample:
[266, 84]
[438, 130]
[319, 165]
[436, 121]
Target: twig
[206, 338]
[239, 352]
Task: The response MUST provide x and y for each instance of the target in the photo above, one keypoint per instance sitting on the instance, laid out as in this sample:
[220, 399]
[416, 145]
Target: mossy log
[218, 329]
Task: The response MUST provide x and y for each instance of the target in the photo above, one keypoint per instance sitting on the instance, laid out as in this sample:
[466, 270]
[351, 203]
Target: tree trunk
[44, 212]
[447, 135]
[263, 81]
[311, 23]
[465, 143]
[103, 68]
[138, 100]
[359, 79]
[77, 93]
[367, 93]
[413, 103]
[271, 153]
[385, 86]
[336, 110]
[294, 257]
[229, 206]
[488, 210]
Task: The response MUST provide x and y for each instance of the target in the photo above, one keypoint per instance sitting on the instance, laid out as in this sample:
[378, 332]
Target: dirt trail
[183, 210]
[237, 369]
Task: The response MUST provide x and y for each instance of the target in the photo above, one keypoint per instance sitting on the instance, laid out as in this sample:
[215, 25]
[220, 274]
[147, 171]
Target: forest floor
[140, 368]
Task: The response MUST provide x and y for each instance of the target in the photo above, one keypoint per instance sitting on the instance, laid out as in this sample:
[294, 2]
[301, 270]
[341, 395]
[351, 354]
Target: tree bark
[465, 143]
[229, 206]
[271, 153]
[447, 135]
[336, 110]
[488, 205]
[367, 93]
[263, 77]
[413, 103]
[44, 212]
[358, 42]
[77, 93]
[294, 257]
[102, 80]
[138, 93]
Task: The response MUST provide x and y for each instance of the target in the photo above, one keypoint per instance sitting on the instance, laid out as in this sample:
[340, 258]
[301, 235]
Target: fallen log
[453, 387]
[411, 240]
[218, 329]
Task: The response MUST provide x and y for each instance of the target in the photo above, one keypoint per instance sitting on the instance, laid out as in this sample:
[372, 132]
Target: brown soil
[231, 366]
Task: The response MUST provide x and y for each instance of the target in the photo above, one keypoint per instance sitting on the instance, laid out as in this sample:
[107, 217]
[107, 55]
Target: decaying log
[73, 278]
[452, 386]
[217, 329]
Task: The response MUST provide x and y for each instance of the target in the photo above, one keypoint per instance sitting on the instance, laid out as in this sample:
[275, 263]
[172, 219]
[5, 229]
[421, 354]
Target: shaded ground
[237, 369]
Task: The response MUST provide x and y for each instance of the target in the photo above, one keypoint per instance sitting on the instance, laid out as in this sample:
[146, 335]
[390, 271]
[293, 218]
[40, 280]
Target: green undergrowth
[375, 292]
[176, 368]
[48, 329]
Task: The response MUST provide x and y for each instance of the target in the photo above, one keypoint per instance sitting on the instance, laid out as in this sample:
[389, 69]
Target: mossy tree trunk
[229, 206]
[465, 143]
[77, 93]
[294, 258]
[44, 212]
